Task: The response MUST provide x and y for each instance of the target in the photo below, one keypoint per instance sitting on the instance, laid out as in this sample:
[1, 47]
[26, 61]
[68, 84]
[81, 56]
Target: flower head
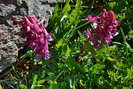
[36, 35]
[106, 27]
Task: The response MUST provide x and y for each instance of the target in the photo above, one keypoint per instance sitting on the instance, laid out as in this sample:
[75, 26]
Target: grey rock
[8, 47]
[10, 37]
[8, 53]
[41, 9]
[6, 10]
[6, 2]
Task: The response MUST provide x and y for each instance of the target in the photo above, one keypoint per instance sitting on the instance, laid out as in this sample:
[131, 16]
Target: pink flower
[105, 29]
[91, 19]
[91, 37]
[36, 35]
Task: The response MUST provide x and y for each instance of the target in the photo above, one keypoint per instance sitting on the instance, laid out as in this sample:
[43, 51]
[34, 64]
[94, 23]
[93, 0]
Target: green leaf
[29, 53]
[67, 8]
[111, 59]
[1, 87]
[112, 5]
[22, 86]
[68, 51]
[35, 78]
[53, 85]
[90, 47]
[40, 82]
[97, 68]
[60, 43]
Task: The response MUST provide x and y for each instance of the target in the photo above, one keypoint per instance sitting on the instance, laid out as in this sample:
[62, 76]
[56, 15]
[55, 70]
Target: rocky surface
[10, 38]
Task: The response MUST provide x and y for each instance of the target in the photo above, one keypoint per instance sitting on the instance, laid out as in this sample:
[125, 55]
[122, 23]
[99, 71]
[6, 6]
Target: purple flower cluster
[106, 28]
[36, 35]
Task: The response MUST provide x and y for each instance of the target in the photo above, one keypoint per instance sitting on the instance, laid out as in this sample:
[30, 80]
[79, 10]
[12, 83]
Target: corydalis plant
[105, 28]
[36, 35]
